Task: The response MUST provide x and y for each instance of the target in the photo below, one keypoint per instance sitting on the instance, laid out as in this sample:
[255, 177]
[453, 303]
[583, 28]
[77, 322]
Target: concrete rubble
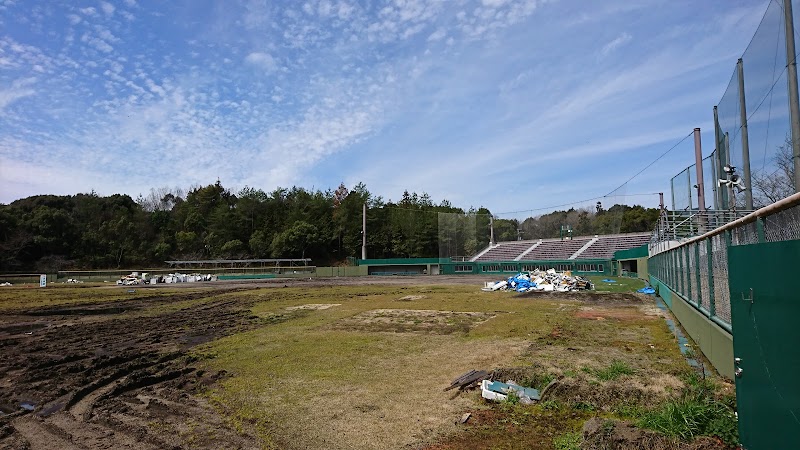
[541, 281]
[145, 278]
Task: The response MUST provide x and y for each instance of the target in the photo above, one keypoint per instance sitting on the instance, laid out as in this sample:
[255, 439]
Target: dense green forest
[87, 231]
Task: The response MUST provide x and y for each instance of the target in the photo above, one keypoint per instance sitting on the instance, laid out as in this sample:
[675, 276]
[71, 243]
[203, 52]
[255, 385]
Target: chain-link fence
[697, 270]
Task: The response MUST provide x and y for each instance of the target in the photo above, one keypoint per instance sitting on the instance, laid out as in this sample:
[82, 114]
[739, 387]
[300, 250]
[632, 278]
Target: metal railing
[678, 226]
[696, 268]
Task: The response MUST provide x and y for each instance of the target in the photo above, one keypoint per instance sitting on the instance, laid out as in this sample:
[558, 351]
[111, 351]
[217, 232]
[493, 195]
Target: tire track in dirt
[115, 380]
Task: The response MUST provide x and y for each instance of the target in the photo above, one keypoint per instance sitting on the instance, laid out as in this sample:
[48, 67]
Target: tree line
[88, 231]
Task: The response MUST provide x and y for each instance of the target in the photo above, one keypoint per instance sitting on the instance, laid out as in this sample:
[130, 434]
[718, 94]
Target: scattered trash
[27, 406]
[134, 278]
[541, 281]
[468, 379]
[647, 290]
[5, 284]
[73, 281]
[499, 391]
[465, 418]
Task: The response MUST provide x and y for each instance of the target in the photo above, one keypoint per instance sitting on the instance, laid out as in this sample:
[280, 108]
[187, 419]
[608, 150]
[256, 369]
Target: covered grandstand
[583, 254]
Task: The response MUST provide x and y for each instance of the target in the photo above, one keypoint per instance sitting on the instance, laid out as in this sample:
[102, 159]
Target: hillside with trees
[88, 231]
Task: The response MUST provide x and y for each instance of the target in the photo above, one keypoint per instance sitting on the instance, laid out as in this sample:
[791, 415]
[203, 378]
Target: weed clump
[568, 441]
[695, 413]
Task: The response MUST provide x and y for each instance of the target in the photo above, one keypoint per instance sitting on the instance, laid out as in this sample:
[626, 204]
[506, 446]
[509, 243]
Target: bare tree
[775, 183]
[160, 199]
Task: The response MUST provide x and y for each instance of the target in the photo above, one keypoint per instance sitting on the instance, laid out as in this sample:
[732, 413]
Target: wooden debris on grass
[467, 380]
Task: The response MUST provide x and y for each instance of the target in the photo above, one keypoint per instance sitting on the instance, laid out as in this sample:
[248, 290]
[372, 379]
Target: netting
[458, 236]
[768, 127]
[710, 181]
[681, 188]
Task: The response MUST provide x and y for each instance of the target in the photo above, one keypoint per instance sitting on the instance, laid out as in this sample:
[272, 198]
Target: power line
[650, 165]
[572, 203]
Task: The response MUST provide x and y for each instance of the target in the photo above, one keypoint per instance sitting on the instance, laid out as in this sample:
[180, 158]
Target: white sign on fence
[42, 280]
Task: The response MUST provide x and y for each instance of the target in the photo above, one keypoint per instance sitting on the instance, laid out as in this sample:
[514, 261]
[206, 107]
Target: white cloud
[130, 3]
[262, 60]
[437, 35]
[620, 40]
[18, 89]
[89, 11]
[74, 19]
[107, 8]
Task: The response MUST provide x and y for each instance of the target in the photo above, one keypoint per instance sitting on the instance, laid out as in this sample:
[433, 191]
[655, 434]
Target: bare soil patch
[313, 306]
[412, 320]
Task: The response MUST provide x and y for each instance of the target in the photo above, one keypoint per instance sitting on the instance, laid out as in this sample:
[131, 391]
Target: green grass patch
[568, 441]
[615, 370]
[622, 284]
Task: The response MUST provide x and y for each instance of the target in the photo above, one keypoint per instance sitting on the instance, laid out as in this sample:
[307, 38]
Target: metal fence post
[697, 273]
[760, 230]
[688, 272]
[710, 253]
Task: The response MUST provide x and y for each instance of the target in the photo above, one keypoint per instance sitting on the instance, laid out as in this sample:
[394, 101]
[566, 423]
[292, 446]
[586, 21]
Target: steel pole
[794, 103]
[701, 193]
[491, 229]
[717, 163]
[748, 181]
[364, 234]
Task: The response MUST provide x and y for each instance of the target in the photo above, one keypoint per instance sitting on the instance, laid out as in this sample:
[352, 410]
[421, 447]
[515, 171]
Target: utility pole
[364, 234]
[748, 182]
[491, 229]
[794, 103]
[701, 193]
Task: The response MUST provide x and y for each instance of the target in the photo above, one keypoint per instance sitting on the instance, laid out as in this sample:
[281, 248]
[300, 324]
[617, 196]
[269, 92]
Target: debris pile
[5, 284]
[540, 281]
[73, 281]
[494, 390]
[135, 278]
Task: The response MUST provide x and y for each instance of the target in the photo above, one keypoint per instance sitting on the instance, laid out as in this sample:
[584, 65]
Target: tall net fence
[681, 187]
[766, 107]
[458, 235]
[753, 134]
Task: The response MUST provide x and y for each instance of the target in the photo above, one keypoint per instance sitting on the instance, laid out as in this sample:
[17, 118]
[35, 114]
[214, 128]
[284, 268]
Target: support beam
[748, 180]
[701, 192]
[791, 78]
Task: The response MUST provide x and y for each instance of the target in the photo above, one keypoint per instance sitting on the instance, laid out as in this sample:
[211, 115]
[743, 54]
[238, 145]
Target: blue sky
[512, 105]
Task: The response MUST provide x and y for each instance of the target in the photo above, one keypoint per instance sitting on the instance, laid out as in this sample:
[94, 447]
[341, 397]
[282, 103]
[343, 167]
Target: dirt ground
[97, 374]
[102, 374]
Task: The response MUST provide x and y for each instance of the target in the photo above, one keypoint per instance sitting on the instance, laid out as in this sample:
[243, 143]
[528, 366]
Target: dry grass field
[333, 364]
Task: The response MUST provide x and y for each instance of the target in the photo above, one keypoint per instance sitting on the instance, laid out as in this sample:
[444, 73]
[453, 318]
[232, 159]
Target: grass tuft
[568, 441]
[615, 370]
[696, 413]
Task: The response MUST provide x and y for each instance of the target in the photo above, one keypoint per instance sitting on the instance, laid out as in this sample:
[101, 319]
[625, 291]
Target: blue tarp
[520, 283]
[647, 290]
[609, 281]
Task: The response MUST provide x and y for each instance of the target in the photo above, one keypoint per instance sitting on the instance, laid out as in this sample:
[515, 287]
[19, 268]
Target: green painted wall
[487, 267]
[715, 342]
[632, 253]
[400, 261]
